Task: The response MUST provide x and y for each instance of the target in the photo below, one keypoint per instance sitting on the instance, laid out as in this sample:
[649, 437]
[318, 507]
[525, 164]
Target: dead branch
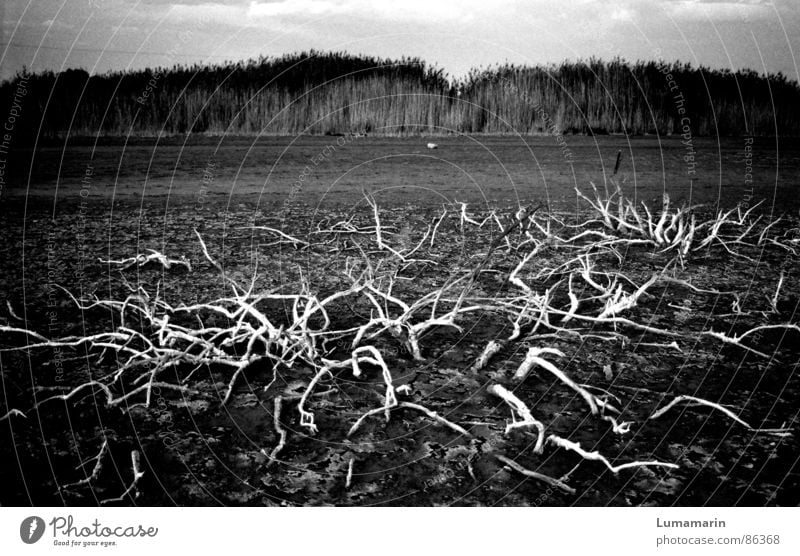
[535, 475]
[98, 467]
[518, 408]
[282, 433]
[596, 456]
[432, 414]
[13, 413]
[141, 260]
[137, 475]
[533, 358]
[291, 239]
[726, 411]
[491, 349]
[349, 480]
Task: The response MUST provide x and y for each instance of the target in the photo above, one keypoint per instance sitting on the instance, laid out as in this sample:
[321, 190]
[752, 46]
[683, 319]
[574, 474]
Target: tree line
[339, 93]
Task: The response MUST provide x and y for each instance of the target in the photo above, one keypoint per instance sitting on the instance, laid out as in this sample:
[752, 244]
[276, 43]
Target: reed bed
[338, 93]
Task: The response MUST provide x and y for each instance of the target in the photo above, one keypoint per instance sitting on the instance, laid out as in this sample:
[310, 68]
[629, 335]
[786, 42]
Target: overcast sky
[99, 35]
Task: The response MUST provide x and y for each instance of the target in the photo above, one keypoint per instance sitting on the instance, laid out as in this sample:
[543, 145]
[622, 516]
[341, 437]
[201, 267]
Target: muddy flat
[478, 169]
[196, 450]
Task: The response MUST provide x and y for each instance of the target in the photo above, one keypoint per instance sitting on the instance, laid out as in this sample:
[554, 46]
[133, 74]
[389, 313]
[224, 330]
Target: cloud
[183, 11]
[440, 10]
[457, 34]
[641, 11]
[718, 10]
[293, 7]
[426, 11]
[622, 14]
[271, 14]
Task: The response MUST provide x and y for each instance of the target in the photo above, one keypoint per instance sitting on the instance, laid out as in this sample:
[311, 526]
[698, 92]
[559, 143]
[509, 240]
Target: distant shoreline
[210, 138]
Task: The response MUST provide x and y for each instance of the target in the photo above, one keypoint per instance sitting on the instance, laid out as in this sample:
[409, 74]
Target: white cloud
[438, 11]
[209, 11]
[430, 11]
[717, 11]
[622, 14]
[292, 7]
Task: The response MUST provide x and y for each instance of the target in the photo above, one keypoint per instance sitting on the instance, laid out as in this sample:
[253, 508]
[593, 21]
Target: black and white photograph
[338, 253]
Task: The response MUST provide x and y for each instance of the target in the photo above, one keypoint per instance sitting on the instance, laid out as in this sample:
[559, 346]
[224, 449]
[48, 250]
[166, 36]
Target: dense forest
[338, 93]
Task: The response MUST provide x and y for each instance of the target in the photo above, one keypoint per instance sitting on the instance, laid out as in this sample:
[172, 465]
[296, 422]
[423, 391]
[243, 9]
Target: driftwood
[580, 296]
